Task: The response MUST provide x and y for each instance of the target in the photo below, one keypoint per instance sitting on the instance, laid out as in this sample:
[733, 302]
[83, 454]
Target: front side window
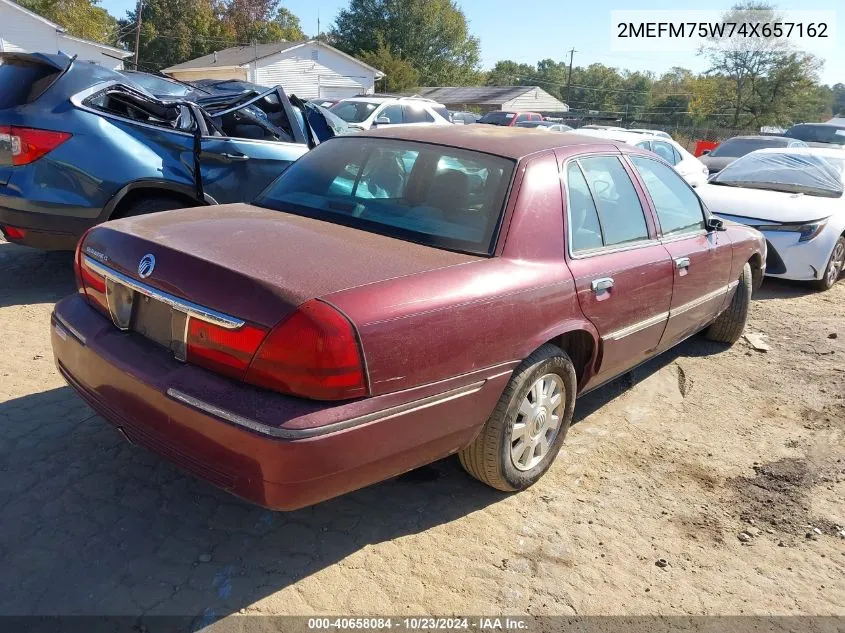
[444, 197]
[353, 111]
[417, 115]
[677, 206]
[393, 113]
[619, 209]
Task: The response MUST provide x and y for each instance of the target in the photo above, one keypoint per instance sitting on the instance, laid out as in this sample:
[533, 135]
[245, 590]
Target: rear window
[430, 194]
[23, 81]
[818, 133]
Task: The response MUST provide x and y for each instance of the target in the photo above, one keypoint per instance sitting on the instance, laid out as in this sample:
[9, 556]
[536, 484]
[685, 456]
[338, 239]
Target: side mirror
[705, 152]
[382, 120]
[714, 224]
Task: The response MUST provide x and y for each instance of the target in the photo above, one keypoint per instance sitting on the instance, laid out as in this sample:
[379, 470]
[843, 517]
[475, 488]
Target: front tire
[728, 326]
[835, 266]
[522, 437]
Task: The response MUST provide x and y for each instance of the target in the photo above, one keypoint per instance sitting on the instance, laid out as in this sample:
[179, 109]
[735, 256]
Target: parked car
[330, 336]
[642, 130]
[508, 119]
[794, 196]
[729, 150]
[691, 168]
[819, 134]
[464, 118]
[81, 144]
[548, 126]
[366, 112]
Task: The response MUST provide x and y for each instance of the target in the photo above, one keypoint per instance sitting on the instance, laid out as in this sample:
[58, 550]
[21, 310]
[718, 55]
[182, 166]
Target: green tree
[431, 35]
[768, 75]
[838, 99]
[174, 31]
[82, 18]
[399, 74]
[509, 73]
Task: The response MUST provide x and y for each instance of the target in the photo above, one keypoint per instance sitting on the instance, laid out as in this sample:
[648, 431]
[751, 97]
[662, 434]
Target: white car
[794, 196]
[688, 166]
[642, 130]
[366, 112]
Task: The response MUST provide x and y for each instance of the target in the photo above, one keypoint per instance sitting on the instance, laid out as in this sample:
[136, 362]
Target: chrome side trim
[191, 309]
[293, 434]
[69, 328]
[686, 307]
[657, 318]
[637, 327]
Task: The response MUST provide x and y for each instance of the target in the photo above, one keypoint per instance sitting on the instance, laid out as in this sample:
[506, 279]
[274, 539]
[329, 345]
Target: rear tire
[523, 423]
[835, 266]
[151, 204]
[728, 326]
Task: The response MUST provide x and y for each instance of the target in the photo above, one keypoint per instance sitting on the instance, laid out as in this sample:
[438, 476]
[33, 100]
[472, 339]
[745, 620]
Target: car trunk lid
[253, 263]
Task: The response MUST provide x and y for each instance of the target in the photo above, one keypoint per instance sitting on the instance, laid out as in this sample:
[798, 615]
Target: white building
[310, 70]
[22, 31]
[485, 98]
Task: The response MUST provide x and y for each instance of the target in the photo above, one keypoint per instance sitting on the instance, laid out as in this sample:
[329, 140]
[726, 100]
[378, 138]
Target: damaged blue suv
[81, 144]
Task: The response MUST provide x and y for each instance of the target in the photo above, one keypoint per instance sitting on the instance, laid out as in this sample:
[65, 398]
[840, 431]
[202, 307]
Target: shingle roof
[476, 95]
[235, 56]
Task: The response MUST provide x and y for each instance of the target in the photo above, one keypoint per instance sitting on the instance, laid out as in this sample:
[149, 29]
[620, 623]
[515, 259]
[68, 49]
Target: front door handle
[605, 283]
[682, 262]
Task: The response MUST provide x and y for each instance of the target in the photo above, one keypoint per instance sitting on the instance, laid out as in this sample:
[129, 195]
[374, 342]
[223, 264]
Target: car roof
[502, 141]
[824, 152]
[834, 125]
[761, 137]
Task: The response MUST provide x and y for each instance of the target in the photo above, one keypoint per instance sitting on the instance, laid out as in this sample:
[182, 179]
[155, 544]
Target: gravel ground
[727, 465]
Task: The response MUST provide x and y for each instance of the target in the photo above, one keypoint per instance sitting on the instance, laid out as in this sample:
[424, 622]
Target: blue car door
[238, 169]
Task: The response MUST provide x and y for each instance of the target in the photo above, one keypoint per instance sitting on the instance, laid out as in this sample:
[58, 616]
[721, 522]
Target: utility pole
[318, 22]
[138, 31]
[572, 52]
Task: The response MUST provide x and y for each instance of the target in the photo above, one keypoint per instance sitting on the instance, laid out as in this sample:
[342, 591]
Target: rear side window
[582, 216]
[416, 115]
[678, 208]
[442, 111]
[23, 81]
[619, 209]
[666, 152]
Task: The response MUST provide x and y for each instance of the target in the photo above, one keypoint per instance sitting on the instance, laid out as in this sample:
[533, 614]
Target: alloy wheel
[537, 422]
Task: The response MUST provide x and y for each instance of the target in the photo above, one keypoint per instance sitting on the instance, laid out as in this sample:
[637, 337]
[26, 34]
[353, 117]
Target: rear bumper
[46, 231]
[277, 451]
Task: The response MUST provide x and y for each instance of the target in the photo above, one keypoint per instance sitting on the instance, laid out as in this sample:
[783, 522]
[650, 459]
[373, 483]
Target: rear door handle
[605, 283]
[229, 156]
[682, 262]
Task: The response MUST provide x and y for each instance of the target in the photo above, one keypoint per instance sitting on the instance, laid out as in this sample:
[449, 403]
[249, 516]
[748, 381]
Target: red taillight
[29, 144]
[14, 233]
[222, 350]
[313, 353]
[89, 282]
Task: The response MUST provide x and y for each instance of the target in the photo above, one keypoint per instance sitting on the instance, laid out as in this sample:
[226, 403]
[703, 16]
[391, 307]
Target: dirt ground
[670, 463]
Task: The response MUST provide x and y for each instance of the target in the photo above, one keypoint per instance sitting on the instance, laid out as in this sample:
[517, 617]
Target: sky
[549, 28]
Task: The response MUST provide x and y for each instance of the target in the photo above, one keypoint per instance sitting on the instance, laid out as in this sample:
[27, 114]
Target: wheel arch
[138, 188]
[757, 270]
[581, 342]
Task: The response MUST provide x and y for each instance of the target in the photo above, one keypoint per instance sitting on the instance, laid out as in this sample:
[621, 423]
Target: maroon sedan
[395, 297]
